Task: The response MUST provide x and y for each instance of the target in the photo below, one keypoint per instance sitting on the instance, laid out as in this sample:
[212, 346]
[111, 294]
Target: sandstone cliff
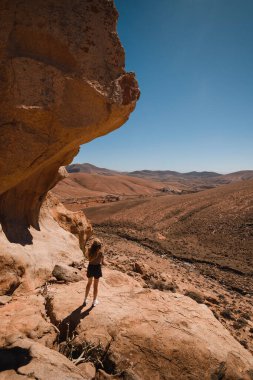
[62, 84]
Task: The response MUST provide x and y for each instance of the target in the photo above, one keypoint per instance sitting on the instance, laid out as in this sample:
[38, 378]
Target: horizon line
[161, 170]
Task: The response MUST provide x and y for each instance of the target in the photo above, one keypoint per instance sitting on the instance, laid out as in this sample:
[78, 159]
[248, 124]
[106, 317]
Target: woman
[96, 258]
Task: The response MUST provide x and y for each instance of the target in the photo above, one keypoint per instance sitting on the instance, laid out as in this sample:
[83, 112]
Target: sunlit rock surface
[62, 84]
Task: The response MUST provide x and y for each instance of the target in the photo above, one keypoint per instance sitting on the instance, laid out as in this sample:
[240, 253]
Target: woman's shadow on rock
[68, 325]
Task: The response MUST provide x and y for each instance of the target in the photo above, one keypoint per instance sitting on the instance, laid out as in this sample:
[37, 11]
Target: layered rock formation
[62, 84]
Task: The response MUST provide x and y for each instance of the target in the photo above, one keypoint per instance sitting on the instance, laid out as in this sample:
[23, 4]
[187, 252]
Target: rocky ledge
[134, 333]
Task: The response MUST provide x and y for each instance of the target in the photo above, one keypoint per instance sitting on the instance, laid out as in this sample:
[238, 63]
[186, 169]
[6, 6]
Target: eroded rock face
[74, 222]
[61, 235]
[62, 84]
[25, 317]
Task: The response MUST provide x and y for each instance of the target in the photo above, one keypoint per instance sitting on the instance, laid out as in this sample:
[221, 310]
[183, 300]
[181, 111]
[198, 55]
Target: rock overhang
[63, 83]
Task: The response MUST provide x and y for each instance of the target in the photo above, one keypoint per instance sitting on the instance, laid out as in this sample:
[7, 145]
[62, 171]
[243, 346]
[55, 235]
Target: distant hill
[242, 175]
[153, 173]
[89, 181]
[204, 174]
[169, 174]
[89, 168]
[160, 174]
[82, 185]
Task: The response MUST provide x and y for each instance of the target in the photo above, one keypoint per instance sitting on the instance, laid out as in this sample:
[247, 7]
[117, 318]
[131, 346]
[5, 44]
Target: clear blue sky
[194, 63]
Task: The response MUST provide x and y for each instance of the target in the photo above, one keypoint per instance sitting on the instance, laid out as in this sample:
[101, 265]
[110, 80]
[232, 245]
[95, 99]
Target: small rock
[130, 375]
[141, 268]
[5, 299]
[102, 375]
[64, 272]
[88, 369]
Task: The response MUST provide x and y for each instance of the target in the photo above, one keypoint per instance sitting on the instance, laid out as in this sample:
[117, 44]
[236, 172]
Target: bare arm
[103, 260]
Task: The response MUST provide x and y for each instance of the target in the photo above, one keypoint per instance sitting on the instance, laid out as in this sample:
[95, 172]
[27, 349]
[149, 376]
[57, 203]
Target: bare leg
[88, 288]
[95, 289]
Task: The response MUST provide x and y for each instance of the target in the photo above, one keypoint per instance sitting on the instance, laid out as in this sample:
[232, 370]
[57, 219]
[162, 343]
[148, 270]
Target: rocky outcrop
[62, 84]
[61, 234]
[66, 273]
[25, 317]
[74, 222]
[148, 333]
[27, 359]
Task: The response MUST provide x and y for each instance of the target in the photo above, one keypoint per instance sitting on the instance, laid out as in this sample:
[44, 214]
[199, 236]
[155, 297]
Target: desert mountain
[89, 168]
[239, 176]
[88, 184]
[165, 175]
[168, 174]
[82, 185]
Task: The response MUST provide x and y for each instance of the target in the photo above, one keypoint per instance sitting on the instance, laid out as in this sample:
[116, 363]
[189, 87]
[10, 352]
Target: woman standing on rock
[96, 259]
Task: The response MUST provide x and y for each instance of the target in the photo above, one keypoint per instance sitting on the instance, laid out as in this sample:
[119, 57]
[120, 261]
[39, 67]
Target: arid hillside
[84, 189]
[84, 184]
[88, 185]
[203, 242]
[121, 183]
[213, 228]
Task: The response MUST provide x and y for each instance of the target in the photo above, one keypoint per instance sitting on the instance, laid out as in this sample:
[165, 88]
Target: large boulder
[148, 333]
[63, 272]
[26, 360]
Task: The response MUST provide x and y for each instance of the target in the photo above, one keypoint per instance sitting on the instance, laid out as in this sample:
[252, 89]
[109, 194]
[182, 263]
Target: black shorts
[94, 271]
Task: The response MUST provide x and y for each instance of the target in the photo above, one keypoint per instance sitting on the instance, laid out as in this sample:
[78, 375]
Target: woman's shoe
[95, 303]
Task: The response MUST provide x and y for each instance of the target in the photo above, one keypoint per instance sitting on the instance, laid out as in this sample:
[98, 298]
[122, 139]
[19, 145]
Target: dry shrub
[84, 352]
[195, 296]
